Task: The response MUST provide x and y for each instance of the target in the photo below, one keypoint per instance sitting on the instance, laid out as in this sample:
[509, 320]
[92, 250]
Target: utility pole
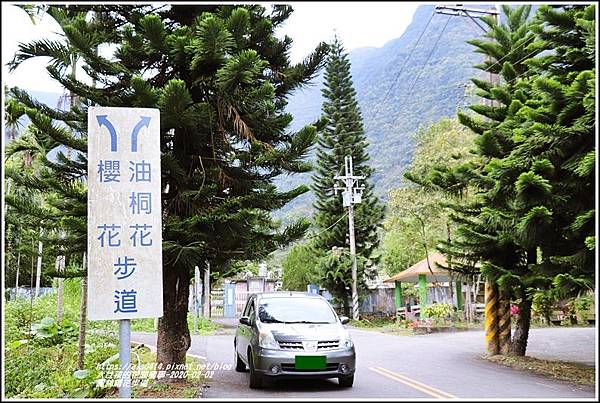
[351, 195]
[497, 305]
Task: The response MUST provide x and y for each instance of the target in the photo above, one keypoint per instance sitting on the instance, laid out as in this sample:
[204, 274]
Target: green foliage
[41, 362]
[49, 333]
[300, 267]
[438, 311]
[414, 223]
[335, 275]
[399, 251]
[417, 218]
[543, 302]
[529, 224]
[41, 355]
[220, 77]
[582, 304]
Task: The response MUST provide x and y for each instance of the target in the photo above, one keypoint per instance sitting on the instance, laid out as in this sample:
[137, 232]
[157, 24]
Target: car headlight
[266, 340]
[346, 342]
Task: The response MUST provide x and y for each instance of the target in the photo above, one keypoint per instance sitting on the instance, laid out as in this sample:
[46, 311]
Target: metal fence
[240, 301]
[25, 292]
[216, 303]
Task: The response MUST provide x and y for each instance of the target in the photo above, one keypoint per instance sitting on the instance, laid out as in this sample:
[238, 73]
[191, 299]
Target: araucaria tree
[220, 78]
[343, 135]
[531, 224]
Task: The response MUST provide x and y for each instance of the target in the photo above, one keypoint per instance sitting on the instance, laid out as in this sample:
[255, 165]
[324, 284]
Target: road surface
[442, 366]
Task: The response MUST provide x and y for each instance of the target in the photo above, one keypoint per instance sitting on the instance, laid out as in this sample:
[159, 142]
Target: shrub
[543, 303]
[582, 305]
[438, 311]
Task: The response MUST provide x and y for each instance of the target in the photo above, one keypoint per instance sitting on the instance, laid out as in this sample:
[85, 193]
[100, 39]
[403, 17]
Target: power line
[328, 228]
[404, 64]
[507, 54]
[428, 57]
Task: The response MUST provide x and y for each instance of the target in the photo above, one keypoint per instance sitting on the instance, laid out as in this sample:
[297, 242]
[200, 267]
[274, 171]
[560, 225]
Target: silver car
[290, 335]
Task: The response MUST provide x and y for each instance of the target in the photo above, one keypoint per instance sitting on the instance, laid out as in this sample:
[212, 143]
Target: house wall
[241, 286]
[379, 300]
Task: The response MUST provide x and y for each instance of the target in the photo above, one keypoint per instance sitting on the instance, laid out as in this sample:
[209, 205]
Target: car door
[252, 329]
[244, 333]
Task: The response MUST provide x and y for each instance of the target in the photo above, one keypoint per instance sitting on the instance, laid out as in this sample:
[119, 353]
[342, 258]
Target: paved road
[405, 367]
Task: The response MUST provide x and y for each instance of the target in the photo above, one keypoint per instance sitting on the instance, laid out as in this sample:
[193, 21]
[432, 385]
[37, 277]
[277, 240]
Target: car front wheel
[255, 376]
[239, 364]
[346, 381]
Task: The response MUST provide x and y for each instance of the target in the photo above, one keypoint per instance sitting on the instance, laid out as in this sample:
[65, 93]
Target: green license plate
[310, 362]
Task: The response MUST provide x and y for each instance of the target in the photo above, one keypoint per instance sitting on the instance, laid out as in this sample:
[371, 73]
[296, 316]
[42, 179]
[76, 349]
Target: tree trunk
[173, 332]
[82, 322]
[476, 290]
[17, 279]
[346, 306]
[468, 304]
[519, 341]
[38, 275]
[60, 268]
[504, 322]
[518, 344]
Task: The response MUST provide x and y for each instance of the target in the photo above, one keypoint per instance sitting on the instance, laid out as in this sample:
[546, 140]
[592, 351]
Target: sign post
[124, 222]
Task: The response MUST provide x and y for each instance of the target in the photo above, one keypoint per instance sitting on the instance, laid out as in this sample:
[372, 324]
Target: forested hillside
[397, 93]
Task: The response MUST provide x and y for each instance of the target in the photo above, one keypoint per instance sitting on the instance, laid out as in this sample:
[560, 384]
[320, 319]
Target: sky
[358, 24]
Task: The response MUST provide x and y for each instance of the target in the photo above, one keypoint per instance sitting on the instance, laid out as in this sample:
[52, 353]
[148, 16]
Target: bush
[40, 370]
[543, 303]
[581, 305]
[438, 311]
[49, 333]
[40, 358]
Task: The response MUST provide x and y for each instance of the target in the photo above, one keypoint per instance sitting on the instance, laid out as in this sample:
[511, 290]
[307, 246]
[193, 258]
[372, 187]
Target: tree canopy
[220, 78]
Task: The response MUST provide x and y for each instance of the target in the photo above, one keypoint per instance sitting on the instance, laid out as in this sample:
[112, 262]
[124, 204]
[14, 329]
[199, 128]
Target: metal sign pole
[196, 302]
[125, 358]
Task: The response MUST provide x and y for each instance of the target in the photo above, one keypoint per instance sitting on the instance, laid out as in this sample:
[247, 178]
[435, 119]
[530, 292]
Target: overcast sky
[358, 24]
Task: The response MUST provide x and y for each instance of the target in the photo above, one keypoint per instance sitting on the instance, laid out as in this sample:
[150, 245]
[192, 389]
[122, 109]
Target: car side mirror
[244, 320]
[344, 319]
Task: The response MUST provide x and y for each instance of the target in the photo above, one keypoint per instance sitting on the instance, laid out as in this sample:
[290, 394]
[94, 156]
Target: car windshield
[295, 310]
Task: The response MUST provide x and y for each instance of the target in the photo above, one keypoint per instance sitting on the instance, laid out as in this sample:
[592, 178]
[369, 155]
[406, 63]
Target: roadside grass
[191, 388]
[383, 325]
[403, 327]
[566, 371]
[40, 355]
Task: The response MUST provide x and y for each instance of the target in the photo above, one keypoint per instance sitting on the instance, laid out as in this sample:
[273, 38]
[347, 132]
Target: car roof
[287, 294]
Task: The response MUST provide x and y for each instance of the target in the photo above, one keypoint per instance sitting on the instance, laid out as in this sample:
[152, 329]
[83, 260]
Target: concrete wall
[379, 300]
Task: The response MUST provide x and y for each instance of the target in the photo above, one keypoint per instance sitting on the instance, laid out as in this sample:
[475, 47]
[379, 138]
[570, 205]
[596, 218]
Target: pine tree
[220, 78]
[485, 230]
[343, 135]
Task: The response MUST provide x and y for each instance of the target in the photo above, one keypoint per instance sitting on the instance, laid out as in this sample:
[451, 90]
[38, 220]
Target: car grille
[328, 344]
[292, 368]
[297, 345]
[291, 345]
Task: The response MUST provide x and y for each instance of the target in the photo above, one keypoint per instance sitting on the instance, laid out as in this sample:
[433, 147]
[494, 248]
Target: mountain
[422, 88]
[383, 78]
